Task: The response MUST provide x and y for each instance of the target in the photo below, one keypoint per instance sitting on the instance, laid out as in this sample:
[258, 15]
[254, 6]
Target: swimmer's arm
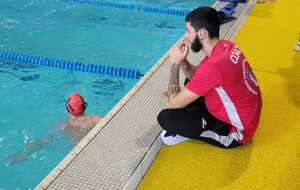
[30, 148]
[33, 147]
[49, 139]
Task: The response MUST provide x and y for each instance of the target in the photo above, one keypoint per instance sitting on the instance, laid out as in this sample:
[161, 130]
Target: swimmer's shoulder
[95, 118]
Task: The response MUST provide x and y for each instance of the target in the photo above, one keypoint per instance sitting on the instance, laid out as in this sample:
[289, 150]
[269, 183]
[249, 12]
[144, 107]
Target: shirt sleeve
[205, 79]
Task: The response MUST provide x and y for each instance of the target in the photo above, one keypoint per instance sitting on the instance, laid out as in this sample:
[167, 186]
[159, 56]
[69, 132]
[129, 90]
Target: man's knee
[163, 118]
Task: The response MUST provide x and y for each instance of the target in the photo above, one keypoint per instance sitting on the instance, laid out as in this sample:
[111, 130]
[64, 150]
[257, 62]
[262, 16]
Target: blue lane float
[143, 8]
[72, 65]
[229, 9]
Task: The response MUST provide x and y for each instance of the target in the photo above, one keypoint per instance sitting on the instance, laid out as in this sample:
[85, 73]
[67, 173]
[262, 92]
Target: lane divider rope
[72, 65]
[143, 8]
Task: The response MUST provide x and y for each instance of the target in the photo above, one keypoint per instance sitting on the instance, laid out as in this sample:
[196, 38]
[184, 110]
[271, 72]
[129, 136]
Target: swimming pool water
[33, 97]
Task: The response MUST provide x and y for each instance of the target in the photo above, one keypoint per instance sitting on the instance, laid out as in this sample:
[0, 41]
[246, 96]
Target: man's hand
[177, 55]
[179, 52]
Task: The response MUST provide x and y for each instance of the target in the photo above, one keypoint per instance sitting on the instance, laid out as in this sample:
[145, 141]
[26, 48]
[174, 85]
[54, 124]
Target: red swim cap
[75, 104]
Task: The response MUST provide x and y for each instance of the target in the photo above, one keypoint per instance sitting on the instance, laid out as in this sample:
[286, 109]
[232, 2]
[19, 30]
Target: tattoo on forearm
[173, 86]
[174, 74]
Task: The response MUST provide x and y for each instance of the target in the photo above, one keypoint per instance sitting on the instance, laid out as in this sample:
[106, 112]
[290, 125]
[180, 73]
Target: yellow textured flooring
[272, 160]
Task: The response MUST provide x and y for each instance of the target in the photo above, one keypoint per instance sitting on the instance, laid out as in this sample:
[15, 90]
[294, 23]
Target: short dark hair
[205, 17]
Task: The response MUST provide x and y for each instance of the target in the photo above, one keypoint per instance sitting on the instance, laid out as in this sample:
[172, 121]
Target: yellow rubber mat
[272, 160]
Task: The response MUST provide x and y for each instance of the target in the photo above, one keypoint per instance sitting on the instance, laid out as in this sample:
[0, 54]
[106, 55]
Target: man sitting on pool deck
[221, 101]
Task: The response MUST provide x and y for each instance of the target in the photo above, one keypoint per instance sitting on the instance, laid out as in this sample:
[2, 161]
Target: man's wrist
[173, 85]
[174, 82]
[185, 63]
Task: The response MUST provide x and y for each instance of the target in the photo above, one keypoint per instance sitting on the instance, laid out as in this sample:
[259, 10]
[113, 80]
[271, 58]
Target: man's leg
[196, 122]
[219, 135]
[180, 122]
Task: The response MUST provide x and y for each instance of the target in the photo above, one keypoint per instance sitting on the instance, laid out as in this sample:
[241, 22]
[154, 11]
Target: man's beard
[196, 45]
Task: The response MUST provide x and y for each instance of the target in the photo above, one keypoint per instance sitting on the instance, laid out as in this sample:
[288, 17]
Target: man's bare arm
[188, 69]
[182, 99]
[173, 86]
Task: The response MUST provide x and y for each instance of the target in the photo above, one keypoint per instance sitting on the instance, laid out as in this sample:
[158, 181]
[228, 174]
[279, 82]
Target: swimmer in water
[78, 124]
[75, 128]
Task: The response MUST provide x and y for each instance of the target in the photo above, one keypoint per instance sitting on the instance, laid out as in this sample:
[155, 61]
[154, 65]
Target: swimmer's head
[76, 105]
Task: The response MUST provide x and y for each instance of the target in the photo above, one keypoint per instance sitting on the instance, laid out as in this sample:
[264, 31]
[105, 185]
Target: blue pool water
[33, 97]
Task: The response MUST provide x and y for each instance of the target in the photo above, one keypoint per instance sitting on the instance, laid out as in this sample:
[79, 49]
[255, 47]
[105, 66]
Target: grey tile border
[149, 157]
[135, 178]
[150, 154]
[144, 165]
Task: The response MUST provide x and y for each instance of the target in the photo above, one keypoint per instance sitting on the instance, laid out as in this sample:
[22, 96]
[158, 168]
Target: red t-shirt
[230, 89]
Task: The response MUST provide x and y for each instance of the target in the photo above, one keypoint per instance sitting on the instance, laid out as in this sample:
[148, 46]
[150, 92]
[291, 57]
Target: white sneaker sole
[297, 47]
[170, 140]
